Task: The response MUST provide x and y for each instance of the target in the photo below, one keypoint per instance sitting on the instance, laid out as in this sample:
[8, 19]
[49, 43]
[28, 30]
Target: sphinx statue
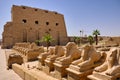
[72, 53]
[28, 51]
[43, 56]
[110, 69]
[112, 64]
[89, 57]
[59, 51]
[80, 68]
[61, 63]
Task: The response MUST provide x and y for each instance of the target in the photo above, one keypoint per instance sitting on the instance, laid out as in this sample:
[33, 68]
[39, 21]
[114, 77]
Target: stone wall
[0, 41]
[113, 39]
[30, 24]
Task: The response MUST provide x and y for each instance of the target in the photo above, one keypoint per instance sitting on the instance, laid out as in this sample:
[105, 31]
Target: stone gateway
[31, 24]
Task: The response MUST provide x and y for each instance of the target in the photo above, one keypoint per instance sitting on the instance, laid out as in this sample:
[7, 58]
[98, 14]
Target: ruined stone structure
[31, 24]
[28, 51]
[85, 63]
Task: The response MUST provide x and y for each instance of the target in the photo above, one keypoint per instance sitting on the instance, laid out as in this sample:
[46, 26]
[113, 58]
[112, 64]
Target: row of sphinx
[74, 63]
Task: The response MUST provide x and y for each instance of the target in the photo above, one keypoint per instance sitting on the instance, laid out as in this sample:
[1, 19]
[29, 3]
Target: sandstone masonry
[31, 24]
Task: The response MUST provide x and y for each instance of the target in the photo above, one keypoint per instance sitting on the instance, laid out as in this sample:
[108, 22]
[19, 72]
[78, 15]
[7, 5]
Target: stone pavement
[11, 75]
[4, 73]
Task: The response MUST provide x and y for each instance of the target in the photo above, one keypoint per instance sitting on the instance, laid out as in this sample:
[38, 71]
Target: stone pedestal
[12, 57]
[60, 71]
[48, 66]
[103, 76]
[42, 58]
[40, 63]
[76, 75]
[40, 67]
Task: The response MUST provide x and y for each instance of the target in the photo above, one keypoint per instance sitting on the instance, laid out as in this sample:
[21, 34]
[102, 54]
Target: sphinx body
[112, 64]
[59, 51]
[43, 56]
[72, 53]
[89, 58]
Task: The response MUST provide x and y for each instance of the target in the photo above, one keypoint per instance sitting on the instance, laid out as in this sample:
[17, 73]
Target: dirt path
[4, 73]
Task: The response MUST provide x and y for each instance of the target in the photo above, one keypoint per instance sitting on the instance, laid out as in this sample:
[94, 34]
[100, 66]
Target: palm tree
[37, 42]
[96, 33]
[77, 40]
[48, 39]
[90, 39]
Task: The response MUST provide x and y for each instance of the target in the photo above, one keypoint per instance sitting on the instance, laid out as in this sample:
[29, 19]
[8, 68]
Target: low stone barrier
[23, 73]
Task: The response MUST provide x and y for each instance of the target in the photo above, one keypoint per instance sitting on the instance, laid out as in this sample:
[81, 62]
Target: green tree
[96, 33]
[47, 39]
[77, 40]
[37, 42]
[90, 39]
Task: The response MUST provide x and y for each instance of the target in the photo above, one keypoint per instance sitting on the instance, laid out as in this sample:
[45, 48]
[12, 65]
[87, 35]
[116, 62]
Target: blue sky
[86, 15]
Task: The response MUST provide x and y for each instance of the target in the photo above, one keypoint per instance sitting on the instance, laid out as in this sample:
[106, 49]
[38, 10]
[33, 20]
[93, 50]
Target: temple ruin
[31, 24]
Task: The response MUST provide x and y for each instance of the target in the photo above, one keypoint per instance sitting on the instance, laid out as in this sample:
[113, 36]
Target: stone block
[48, 67]
[75, 75]
[23, 72]
[60, 71]
[12, 57]
[30, 76]
[103, 76]
[19, 70]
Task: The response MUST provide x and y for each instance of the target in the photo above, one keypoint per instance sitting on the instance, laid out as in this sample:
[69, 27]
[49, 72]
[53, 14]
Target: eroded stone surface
[44, 55]
[72, 53]
[89, 58]
[61, 63]
[110, 69]
[29, 28]
[84, 66]
[28, 51]
[59, 51]
[4, 73]
[12, 57]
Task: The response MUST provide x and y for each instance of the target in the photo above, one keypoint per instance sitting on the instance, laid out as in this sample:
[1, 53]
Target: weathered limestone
[104, 49]
[110, 69]
[59, 51]
[12, 57]
[18, 70]
[61, 63]
[44, 55]
[106, 44]
[30, 24]
[24, 73]
[28, 51]
[84, 66]
[30, 73]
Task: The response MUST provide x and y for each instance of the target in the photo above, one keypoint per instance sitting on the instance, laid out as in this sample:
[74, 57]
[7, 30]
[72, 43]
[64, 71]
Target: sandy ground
[4, 73]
